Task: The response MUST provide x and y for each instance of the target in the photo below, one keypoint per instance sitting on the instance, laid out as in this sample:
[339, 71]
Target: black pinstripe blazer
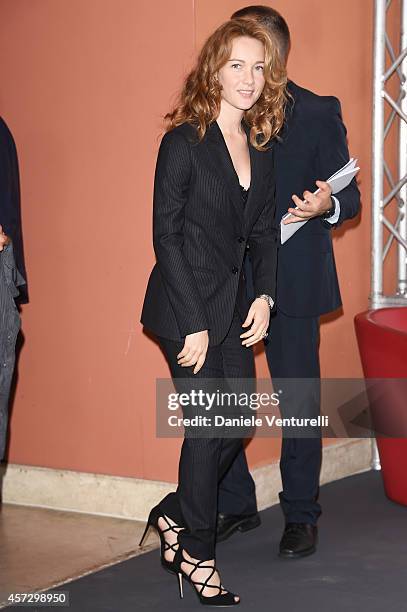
[200, 233]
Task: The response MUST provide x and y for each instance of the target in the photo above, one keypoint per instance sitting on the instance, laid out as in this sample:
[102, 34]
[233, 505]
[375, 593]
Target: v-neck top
[244, 192]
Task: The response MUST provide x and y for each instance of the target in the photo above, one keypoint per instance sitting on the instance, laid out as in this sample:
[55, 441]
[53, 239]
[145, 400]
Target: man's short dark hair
[272, 20]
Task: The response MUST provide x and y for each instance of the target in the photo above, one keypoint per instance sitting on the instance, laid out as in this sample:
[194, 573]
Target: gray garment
[10, 280]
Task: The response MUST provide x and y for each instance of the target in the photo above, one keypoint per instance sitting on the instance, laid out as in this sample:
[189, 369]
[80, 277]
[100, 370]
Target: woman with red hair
[213, 198]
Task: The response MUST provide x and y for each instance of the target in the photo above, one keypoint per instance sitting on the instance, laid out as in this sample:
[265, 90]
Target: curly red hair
[200, 97]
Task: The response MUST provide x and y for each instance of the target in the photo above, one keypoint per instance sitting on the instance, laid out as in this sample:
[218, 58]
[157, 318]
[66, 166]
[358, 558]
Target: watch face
[331, 211]
[268, 299]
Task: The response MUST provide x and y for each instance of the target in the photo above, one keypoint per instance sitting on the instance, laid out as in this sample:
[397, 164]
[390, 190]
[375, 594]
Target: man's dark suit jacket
[200, 231]
[312, 147]
[10, 214]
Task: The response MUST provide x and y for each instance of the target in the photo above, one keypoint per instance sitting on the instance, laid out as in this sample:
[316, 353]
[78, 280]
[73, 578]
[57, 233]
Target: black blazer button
[241, 239]
[235, 270]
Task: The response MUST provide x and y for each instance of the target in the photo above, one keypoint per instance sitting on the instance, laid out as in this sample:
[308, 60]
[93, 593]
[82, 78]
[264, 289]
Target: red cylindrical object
[382, 339]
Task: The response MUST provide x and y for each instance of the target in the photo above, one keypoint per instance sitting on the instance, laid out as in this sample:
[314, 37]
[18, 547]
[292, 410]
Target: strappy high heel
[219, 600]
[152, 521]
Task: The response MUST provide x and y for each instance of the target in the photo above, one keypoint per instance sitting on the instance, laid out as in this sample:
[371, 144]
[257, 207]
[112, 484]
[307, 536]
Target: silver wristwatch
[268, 299]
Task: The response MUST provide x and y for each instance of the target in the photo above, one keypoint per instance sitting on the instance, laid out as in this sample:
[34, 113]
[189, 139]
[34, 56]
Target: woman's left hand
[259, 315]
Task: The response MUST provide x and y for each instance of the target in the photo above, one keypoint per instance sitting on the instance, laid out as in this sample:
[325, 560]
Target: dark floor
[360, 565]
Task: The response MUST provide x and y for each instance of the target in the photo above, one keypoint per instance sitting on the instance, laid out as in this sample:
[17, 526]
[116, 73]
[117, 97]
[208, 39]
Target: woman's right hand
[194, 351]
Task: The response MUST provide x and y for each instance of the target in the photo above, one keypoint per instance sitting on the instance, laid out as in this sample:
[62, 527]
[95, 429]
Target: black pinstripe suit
[201, 230]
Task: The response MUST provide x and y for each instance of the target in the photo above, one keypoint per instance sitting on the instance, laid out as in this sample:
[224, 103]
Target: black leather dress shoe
[299, 540]
[229, 523]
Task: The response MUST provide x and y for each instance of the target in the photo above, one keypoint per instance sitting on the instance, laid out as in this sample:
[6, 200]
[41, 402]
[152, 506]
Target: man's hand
[4, 240]
[259, 315]
[194, 351]
[312, 205]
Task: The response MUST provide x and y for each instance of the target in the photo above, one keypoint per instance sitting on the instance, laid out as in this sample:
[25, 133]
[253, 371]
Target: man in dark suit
[312, 146]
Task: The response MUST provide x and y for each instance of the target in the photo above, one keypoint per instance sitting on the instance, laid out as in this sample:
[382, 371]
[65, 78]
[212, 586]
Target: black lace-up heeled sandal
[152, 521]
[223, 597]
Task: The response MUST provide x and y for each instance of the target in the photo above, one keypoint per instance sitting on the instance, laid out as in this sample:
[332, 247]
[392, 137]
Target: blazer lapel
[254, 179]
[258, 162]
[222, 164]
[289, 116]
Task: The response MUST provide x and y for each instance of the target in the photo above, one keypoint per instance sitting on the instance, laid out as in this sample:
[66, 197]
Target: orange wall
[84, 84]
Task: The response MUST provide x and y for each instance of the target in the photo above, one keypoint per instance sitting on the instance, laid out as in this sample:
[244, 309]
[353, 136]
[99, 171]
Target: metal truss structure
[389, 167]
[389, 159]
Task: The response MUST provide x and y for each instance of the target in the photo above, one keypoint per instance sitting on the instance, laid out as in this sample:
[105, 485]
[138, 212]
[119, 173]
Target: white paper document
[338, 181]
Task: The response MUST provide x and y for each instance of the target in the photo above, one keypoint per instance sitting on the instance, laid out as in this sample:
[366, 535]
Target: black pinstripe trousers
[204, 461]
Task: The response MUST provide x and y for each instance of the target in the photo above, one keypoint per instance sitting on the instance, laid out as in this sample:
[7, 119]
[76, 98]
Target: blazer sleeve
[332, 154]
[263, 246]
[171, 185]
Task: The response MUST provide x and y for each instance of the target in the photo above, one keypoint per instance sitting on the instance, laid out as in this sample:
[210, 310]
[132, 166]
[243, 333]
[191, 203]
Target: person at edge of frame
[13, 285]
